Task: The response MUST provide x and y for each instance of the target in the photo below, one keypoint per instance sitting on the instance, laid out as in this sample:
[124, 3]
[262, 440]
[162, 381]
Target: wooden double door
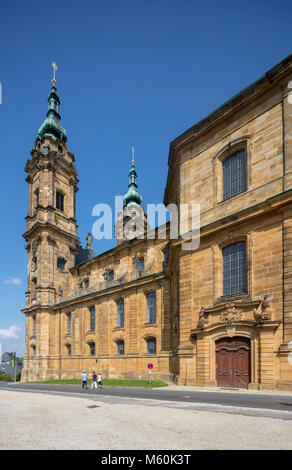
[233, 362]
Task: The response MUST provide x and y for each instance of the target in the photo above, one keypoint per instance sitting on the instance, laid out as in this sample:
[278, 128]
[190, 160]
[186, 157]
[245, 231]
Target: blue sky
[131, 73]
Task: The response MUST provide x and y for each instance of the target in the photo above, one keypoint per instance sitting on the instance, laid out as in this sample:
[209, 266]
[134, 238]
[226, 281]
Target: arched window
[69, 350]
[92, 318]
[120, 313]
[120, 348]
[234, 268]
[33, 351]
[151, 307]
[61, 264]
[234, 174]
[91, 349]
[151, 345]
[111, 275]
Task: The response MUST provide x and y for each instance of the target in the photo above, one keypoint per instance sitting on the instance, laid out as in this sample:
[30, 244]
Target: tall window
[60, 201]
[33, 351]
[151, 346]
[37, 198]
[92, 349]
[234, 269]
[120, 313]
[151, 307]
[120, 348]
[34, 325]
[69, 323]
[234, 174]
[141, 264]
[111, 275]
[68, 347]
[92, 318]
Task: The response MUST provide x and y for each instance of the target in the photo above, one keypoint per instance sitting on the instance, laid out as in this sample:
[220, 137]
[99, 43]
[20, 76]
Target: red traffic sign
[150, 366]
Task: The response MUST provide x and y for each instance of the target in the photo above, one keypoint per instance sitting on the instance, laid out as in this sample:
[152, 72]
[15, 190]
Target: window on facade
[151, 307]
[68, 346]
[120, 313]
[92, 349]
[60, 201]
[234, 174]
[111, 275]
[151, 346]
[120, 348]
[37, 198]
[86, 283]
[33, 351]
[34, 325]
[141, 264]
[234, 269]
[69, 318]
[92, 318]
[61, 264]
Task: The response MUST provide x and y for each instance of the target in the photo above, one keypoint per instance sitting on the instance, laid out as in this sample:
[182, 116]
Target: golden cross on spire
[55, 67]
[133, 156]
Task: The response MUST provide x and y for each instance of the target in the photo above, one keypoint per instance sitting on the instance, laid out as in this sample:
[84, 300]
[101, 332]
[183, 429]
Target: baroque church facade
[218, 315]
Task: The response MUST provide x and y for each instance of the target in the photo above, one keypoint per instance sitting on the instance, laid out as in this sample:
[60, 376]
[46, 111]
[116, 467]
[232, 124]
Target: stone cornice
[48, 226]
[271, 204]
[113, 289]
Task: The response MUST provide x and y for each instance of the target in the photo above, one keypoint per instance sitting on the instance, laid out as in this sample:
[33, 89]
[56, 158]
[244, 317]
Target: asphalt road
[257, 402]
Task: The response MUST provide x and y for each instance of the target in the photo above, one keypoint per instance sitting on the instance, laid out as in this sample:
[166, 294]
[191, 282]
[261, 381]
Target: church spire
[51, 126]
[132, 196]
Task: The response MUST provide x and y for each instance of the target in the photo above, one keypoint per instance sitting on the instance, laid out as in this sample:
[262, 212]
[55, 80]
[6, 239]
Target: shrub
[6, 378]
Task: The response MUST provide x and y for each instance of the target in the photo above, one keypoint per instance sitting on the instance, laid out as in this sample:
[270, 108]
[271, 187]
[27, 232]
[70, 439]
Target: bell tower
[51, 236]
[132, 220]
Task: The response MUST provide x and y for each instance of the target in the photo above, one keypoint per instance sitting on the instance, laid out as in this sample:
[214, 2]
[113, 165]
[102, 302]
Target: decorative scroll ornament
[262, 313]
[230, 315]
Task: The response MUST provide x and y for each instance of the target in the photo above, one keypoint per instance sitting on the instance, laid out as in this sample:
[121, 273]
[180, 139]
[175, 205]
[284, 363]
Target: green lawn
[110, 382]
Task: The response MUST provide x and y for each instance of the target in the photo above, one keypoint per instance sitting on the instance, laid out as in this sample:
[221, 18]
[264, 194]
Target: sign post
[150, 366]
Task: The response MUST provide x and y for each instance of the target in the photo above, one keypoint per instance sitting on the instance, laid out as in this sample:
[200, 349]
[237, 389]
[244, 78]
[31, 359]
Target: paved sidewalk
[186, 388]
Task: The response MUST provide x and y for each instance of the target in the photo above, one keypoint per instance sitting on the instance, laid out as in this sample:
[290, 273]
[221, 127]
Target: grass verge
[109, 382]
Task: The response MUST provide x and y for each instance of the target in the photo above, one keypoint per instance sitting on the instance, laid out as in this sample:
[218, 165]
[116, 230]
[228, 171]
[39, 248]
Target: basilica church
[219, 315]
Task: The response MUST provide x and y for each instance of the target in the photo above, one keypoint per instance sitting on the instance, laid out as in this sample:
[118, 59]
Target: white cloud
[11, 333]
[14, 280]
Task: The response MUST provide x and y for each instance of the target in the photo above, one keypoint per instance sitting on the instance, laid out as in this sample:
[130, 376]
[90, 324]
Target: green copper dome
[51, 125]
[132, 196]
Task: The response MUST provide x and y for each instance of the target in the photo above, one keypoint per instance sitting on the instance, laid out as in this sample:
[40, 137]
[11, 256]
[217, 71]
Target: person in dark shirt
[94, 379]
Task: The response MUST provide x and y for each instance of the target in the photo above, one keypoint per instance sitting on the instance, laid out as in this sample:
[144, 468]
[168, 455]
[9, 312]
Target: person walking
[94, 379]
[84, 380]
[99, 381]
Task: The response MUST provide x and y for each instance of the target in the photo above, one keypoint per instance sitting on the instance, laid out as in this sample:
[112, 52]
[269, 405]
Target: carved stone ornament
[235, 309]
[106, 274]
[203, 318]
[230, 314]
[262, 313]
